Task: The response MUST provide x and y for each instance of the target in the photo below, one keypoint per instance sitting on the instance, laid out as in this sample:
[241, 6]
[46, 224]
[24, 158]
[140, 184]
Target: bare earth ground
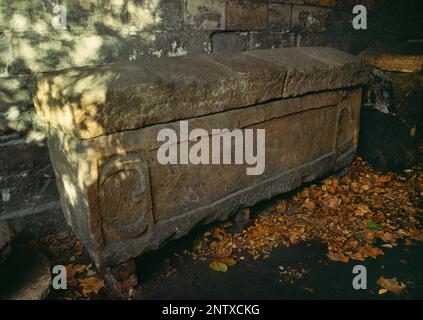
[302, 245]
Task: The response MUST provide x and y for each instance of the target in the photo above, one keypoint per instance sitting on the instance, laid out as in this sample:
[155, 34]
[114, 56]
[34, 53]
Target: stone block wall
[105, 31]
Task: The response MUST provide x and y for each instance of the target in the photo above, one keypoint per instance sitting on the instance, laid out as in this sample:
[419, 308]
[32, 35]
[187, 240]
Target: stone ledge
[398, 57]
[96, 101]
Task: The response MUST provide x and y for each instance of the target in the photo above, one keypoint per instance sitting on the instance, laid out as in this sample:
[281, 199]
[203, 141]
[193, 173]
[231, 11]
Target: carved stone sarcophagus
[104, 124]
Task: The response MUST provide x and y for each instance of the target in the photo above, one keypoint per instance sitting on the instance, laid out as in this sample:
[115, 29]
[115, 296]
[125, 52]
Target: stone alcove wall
[100, 31]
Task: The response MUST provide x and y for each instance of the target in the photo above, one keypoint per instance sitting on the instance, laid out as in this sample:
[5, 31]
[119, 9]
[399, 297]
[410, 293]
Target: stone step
[30, 201]
[25, 275]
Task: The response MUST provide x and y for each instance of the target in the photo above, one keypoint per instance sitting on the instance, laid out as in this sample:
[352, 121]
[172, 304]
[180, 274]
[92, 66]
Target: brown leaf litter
[348, 214]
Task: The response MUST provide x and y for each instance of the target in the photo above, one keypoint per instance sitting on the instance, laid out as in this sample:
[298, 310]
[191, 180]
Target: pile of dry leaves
[356, 216]
[83, 280]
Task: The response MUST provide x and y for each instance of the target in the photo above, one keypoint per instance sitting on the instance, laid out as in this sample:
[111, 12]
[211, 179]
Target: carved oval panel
[124, 197]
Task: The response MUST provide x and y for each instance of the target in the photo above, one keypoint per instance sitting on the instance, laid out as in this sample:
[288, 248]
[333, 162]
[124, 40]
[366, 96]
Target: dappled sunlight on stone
[70, 191]
[87, 93]
[19, 22]
[87, 50]
[41, 27]
[143, 15]
[12, 114]
[35, 137]
[96, 32]
[86, 170]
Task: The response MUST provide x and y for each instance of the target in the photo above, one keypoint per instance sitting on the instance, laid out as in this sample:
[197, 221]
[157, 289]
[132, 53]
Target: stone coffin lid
[94, 101]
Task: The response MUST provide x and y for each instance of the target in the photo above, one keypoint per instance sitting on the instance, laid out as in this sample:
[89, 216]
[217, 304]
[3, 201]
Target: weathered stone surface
[40, 220]
[352, 42]
[229, 42]
[5, 55]
[29, 199]
[105, 31]
[204, 14]
[16, 153]
[308, 18]
[245, 15]
[109, 183]
[396, 81]
[96, 31]
[15, 91]
[172, 14]
[142, 15]
[323, 3]
[121, 279]
[186, 43]
[270, 40]
[385, 141]
[279, 16]
[16, 108]
[88, 102]
[314, 69]
[5, 239]
[369, 4]
[398, 93]
[400, 57]
[84, 15]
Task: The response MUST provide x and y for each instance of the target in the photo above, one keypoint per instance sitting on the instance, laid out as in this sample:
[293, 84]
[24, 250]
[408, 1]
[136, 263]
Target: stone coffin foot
[241, 220]
[121, 279]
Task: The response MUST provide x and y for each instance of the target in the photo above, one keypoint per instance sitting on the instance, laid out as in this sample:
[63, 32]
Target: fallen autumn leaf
[391, 285]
